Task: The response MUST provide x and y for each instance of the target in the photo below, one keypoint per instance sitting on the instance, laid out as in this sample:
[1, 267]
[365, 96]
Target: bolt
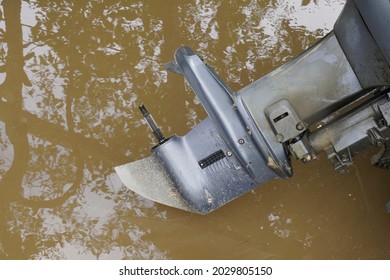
[344, 159]
[279, 137]
[381, 123]
[306, 158]
[241, 141]
[300, 126]
[229, 153]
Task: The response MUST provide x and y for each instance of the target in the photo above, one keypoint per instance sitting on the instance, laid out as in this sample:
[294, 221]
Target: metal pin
[152, 124]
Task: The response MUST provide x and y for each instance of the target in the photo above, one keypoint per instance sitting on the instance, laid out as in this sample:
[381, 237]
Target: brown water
[72, 74]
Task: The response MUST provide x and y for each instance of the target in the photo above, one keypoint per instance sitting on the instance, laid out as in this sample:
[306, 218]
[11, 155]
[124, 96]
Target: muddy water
[72, 74]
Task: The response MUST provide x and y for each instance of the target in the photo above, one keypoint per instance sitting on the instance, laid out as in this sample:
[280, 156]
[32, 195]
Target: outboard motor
[333, 98]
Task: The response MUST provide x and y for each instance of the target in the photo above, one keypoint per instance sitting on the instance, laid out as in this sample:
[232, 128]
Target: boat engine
[333, 98]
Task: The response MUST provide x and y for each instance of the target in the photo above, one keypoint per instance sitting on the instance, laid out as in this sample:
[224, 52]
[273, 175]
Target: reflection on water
[72, 73]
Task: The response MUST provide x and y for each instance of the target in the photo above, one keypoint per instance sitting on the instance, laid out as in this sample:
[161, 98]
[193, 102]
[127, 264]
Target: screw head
[279, 137]
[241, 141]
[300, 126]
[229, 153]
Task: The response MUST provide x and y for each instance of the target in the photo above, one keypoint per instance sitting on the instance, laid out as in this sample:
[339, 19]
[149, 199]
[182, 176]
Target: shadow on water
[72, 74]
